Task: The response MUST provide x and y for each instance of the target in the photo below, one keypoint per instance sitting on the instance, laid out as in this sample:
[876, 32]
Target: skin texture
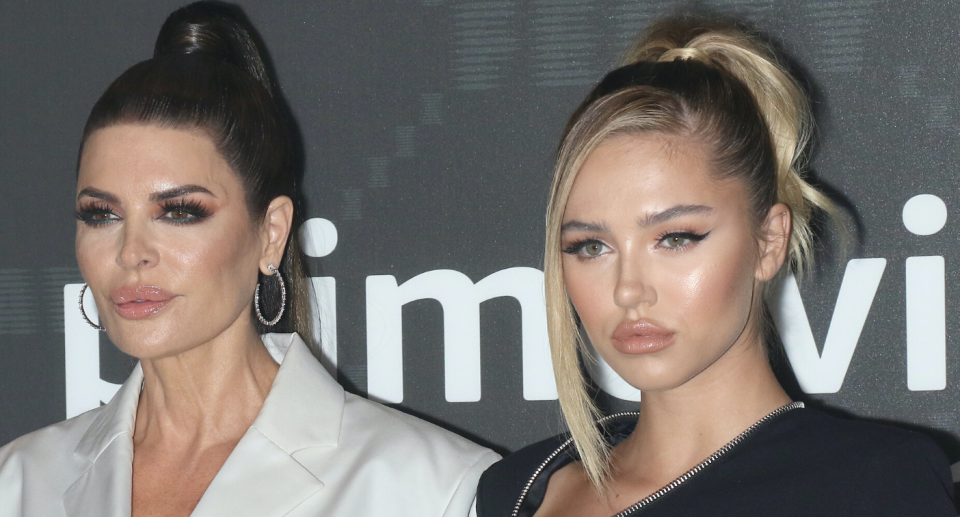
[693, 272]
[206, 372]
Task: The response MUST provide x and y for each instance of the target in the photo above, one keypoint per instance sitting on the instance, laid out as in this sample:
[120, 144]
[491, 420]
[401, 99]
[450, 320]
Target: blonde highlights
[705, 83]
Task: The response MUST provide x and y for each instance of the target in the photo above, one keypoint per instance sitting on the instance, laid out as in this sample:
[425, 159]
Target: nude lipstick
[641, 337]
[139, 302]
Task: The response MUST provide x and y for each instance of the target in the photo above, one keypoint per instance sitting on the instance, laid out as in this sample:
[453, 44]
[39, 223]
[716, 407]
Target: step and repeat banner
[429, 129]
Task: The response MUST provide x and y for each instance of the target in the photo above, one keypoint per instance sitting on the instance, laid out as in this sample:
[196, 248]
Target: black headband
[676, 75]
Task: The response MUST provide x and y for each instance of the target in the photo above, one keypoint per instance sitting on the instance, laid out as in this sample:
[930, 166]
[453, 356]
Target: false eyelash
[695, 237]
[87, 213]
[192, 208]
[575, 247]
[692, 237]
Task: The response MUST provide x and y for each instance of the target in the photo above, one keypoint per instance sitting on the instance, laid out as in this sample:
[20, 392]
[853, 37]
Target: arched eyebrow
[176, 192]
[163, 195]
[97, 194]
[673, 213]
[580, 226]
[648, 220]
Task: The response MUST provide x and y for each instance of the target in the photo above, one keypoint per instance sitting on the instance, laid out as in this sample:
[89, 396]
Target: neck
[680, 427]
[207, 395]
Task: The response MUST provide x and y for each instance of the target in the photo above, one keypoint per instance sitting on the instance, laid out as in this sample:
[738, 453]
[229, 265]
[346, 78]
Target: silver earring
[283, 299]
[84, 313]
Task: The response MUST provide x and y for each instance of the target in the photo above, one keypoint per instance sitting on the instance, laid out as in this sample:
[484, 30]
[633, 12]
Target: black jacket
[800, 463]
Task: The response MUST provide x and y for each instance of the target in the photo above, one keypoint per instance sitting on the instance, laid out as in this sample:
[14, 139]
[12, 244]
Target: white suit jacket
[313, 450]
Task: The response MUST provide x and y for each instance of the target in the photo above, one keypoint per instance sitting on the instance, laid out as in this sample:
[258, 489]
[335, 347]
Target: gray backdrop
[428, 131]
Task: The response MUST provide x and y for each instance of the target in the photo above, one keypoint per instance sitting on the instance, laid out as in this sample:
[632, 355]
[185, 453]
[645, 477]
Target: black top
[799, 463]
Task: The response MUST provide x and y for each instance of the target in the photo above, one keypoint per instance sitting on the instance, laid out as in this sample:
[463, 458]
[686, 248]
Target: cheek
[217, 263]
[94, 249]
[590, 288]
[716, 293]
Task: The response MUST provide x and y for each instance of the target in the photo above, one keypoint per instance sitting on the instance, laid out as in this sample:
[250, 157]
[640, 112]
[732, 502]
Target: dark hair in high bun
[207, 73]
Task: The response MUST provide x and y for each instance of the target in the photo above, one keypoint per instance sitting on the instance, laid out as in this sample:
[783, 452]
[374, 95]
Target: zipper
[673, 484]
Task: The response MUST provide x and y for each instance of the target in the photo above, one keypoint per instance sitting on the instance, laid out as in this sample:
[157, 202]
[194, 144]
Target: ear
[774, 241]
[274, 232]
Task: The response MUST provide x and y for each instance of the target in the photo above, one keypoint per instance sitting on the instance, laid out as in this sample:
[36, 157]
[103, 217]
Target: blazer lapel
[105, 487]
[262, 476]
[259, 479]
[302, 411]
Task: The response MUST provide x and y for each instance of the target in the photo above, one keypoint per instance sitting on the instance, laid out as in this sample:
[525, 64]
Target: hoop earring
[283, 299]
[90, 322]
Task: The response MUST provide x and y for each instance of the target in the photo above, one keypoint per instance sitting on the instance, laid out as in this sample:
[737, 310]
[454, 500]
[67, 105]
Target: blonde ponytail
[712, 83]
[781, 100]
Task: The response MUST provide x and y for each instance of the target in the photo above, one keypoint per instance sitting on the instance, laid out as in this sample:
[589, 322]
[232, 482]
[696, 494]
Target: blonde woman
[678, 198]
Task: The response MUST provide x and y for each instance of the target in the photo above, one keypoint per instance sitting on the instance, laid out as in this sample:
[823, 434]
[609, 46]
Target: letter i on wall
[926, 299]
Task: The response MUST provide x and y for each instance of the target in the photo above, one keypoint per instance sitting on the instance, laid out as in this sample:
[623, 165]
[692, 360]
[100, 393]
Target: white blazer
[313, 450]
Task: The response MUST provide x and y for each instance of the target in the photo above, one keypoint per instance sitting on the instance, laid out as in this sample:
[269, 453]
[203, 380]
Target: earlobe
[774, 242]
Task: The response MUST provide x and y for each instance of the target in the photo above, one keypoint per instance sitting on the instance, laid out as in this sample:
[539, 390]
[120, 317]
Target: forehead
[639, 174]
[136, 157]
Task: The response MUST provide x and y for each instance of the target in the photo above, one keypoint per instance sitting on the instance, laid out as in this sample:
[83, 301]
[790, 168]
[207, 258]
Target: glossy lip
[641, 337]
[139, 302]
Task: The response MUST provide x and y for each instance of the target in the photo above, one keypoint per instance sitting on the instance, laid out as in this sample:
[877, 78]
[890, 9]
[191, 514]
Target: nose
[633, 287]
[136, 246]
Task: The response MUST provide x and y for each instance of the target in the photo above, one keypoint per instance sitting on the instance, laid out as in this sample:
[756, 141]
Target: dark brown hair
[208, 74]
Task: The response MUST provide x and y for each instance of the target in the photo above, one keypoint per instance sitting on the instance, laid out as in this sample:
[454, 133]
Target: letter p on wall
[85, 389]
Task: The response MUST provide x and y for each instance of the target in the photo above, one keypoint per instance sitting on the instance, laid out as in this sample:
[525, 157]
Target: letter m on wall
[460, 299]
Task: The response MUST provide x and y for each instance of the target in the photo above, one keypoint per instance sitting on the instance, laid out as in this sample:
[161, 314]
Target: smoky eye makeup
[183, 211]
[96, 213]
[179, 212]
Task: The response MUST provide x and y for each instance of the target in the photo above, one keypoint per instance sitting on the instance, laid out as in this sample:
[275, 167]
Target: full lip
[140, 301]
[641, 337]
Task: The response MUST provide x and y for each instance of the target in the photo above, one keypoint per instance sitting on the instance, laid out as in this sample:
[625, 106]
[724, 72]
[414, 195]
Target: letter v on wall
[824, 373]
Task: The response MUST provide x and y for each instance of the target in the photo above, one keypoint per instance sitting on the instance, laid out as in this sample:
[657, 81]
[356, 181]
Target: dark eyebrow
[580, 226]
[672, 213]
[98, 194]
[178, 191]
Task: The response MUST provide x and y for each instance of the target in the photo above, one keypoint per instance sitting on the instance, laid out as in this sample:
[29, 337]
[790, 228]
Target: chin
[147, 341]
[654, 382]
[654, 373]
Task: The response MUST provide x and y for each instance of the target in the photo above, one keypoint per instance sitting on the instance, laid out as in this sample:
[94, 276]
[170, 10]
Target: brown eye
[184, 212]
[179, 214]
[96, 215]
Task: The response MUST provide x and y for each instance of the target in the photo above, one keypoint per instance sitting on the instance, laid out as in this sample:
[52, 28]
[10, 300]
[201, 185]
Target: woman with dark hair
[678, 195]
[186, 212]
